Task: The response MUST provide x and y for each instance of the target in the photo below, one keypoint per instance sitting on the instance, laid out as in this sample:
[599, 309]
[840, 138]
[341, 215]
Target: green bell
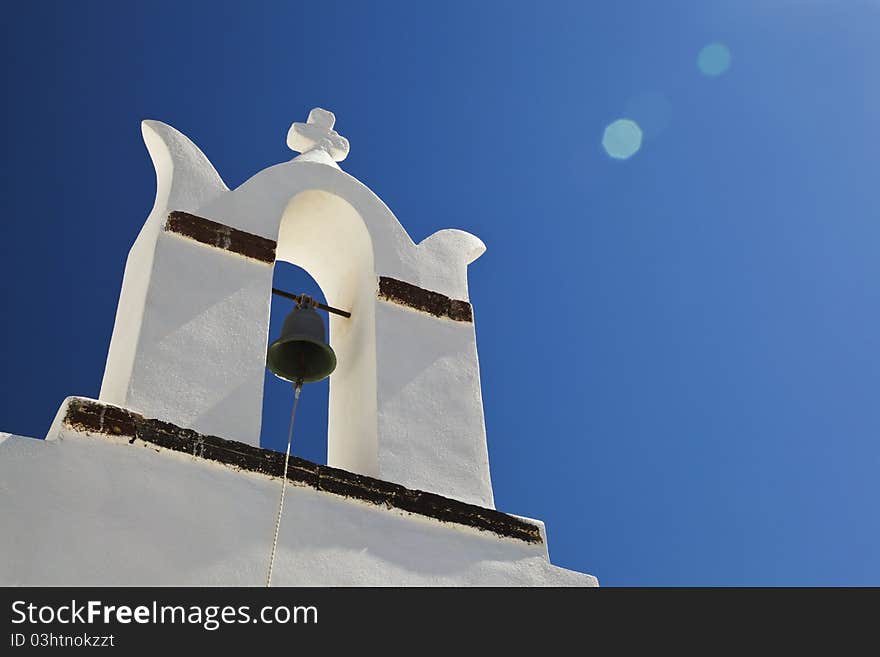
[301, 353]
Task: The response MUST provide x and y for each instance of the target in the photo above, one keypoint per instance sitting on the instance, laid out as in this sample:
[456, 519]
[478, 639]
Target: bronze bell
[301, 353]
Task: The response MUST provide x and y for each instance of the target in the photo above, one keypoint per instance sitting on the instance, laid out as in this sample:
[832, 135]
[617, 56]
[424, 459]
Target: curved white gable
[438, 263]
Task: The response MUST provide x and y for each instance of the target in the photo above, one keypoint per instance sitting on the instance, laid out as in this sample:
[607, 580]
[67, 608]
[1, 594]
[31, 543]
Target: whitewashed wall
[88, 511]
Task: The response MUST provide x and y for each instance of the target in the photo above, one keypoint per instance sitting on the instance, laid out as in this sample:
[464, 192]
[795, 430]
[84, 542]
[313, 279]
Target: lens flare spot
[714, 59]
[622, 139]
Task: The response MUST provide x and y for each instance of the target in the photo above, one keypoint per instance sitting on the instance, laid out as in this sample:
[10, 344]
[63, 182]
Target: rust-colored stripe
[96, 418]
[427, 301]
[220, 236]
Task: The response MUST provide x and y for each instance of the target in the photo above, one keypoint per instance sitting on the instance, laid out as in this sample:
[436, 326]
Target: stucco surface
[79, 510]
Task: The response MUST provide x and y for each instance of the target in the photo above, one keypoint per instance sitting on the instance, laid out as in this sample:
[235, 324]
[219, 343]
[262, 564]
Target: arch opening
[327, 238]
[310, 436]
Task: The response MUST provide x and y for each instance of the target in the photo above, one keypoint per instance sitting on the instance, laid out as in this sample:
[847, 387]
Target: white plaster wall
[185, 179]
[201, 353]
[89, 511]
[433, 434]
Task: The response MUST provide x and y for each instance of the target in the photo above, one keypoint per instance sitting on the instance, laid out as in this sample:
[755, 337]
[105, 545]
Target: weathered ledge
[96, 418]
[220, 236]
[427, 301]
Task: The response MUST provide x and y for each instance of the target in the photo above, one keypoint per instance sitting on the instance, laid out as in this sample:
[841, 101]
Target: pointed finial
[318, 134]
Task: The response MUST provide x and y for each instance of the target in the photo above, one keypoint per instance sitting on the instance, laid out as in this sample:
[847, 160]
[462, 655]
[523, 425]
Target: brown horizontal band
[434, 303]
[96, 418]
[220, 236]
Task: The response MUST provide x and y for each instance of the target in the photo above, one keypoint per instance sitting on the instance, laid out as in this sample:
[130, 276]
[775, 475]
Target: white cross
[318, 133]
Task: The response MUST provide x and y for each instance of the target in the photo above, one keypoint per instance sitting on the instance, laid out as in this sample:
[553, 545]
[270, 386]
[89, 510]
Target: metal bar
[298, 299]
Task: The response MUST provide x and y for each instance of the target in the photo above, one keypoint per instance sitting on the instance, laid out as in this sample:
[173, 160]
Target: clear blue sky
[680, 351]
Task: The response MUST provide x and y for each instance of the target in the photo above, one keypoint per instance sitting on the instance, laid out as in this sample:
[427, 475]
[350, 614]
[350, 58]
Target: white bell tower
[189, 341]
